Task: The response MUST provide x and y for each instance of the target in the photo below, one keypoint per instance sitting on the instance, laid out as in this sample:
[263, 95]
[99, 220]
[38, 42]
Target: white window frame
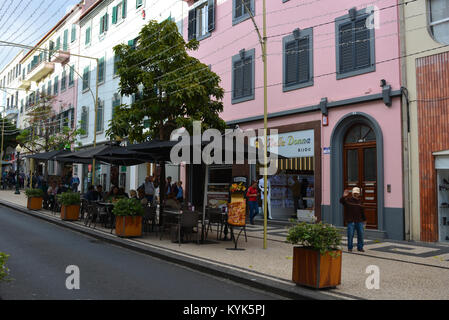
[432, 24]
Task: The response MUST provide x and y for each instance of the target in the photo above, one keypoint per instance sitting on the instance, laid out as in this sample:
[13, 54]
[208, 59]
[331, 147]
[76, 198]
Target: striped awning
[302, 164]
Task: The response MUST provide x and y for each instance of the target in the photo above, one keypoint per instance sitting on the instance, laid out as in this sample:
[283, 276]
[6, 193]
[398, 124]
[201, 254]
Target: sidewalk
[407, 270]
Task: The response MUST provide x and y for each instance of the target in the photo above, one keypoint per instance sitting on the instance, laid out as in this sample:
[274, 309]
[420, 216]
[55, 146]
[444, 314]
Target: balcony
[12, 112]
[60, 57]
[24, 84]
[40, 71]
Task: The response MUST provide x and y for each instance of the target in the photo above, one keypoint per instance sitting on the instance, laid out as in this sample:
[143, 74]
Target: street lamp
[18, 149]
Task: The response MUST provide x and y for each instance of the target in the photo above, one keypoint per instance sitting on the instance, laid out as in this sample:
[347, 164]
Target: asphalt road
[40, 252]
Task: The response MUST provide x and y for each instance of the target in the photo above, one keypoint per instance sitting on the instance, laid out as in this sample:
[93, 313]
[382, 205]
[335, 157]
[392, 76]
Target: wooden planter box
[127, 226]
[70, 213]
[312, 269]
[35, 203]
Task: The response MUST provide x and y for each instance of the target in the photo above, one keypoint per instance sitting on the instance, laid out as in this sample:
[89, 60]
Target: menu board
[237, 214]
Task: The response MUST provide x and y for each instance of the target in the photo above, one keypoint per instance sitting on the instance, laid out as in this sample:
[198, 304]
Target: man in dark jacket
[354, 216]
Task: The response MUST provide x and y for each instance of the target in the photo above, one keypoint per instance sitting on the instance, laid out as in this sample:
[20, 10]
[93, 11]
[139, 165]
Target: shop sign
[298, 144]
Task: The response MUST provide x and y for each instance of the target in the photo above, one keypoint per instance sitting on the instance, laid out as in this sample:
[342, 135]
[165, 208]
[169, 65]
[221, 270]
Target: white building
[104, 25]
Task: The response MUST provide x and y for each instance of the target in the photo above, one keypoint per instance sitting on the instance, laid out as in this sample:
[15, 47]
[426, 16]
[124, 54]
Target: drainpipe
[406, 173]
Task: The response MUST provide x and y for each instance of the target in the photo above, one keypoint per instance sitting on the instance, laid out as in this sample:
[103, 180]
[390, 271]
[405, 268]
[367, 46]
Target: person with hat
[354, 216]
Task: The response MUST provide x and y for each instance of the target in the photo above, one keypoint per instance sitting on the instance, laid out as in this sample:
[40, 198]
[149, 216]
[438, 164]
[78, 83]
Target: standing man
[148, 186]
[74, 182]
[251, 195]
[261, 188]
[354, 216]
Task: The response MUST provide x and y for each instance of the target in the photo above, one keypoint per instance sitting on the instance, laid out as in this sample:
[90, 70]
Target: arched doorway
[360, 168]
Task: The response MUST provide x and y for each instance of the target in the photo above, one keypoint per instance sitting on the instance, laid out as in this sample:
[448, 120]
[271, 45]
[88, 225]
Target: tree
[46, 130]
[171, 89]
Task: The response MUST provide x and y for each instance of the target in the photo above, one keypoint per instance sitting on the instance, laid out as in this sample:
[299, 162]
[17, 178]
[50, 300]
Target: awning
[301, 164]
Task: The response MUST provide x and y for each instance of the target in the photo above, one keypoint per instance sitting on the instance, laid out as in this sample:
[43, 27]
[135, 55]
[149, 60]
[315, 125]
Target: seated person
[99, 193]
[141, 196]
[91, 194]
[122, 193]
[172, 204]
[52, 191]
[114, 194]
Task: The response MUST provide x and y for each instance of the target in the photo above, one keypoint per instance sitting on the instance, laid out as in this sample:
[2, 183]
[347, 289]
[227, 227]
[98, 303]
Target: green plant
[69, 198]
[128, 207]
[31, 193]
[319, 236]
[4, 271]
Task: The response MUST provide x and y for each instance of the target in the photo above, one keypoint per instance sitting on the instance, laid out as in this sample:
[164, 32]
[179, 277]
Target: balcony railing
[40, 70]
[25, 84]
[60, 57]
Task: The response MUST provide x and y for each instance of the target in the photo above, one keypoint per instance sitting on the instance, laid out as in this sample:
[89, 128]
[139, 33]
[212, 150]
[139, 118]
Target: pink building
[334, 88]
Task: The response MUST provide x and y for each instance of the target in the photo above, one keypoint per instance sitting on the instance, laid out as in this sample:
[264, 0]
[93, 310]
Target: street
[40, 252]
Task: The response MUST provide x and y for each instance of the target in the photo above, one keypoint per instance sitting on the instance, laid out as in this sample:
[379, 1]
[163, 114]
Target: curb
[289, 291]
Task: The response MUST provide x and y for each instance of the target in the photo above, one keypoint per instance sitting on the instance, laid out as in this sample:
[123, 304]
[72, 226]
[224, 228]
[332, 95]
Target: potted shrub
[128, 217]
[70, 205]
[4, 271]
[35, 198]
[317, 261]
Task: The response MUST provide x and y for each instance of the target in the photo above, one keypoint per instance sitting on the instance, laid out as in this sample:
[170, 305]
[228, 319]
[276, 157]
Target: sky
[27, 21]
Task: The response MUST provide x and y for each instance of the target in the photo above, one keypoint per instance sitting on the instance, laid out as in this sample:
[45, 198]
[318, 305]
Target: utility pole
[95, 121]
[263, 44]
[1, 153]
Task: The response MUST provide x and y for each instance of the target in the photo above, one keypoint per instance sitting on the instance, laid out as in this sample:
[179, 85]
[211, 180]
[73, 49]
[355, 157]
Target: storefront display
[218, 185]
[282, 202]
[443, 204]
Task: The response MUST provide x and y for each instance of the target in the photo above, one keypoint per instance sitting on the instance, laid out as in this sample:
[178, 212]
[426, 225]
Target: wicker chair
[214, 216]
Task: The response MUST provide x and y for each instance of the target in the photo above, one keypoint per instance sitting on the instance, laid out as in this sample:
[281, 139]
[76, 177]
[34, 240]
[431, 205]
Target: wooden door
[360, 169]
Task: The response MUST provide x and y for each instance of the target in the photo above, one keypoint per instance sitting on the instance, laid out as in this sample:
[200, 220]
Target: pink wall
[226, 41]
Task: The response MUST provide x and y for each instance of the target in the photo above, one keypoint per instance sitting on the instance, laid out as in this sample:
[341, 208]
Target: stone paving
[408, 270]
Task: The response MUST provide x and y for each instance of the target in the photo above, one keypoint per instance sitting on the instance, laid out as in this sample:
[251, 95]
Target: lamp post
[18, 149]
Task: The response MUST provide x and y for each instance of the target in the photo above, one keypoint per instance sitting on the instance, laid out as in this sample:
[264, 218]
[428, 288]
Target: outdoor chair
[188, 221]
[149, 217]
[169, 221]
[55, 205]
[83, 209]
[214, 216]
[92, 215]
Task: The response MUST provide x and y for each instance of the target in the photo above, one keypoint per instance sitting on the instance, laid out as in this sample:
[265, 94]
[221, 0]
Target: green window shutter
[71, 75]
[124, 9]
[106, 22]
[346, 48]
[114, 15]
[87, 35]
[86, 78]
[101, 70]
[58, 43]
[116, 59]
[65, 44]
[73, 32]
[138, 3]
[101, 25]
[55, 86]
[362, 45]
[291, 60]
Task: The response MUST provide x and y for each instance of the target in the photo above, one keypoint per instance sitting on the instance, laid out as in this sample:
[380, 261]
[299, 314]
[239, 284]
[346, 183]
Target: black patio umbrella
[45, 156]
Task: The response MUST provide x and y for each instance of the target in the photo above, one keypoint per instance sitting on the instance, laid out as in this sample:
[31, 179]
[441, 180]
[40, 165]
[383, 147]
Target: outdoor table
[108, 208]
[177, 214]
